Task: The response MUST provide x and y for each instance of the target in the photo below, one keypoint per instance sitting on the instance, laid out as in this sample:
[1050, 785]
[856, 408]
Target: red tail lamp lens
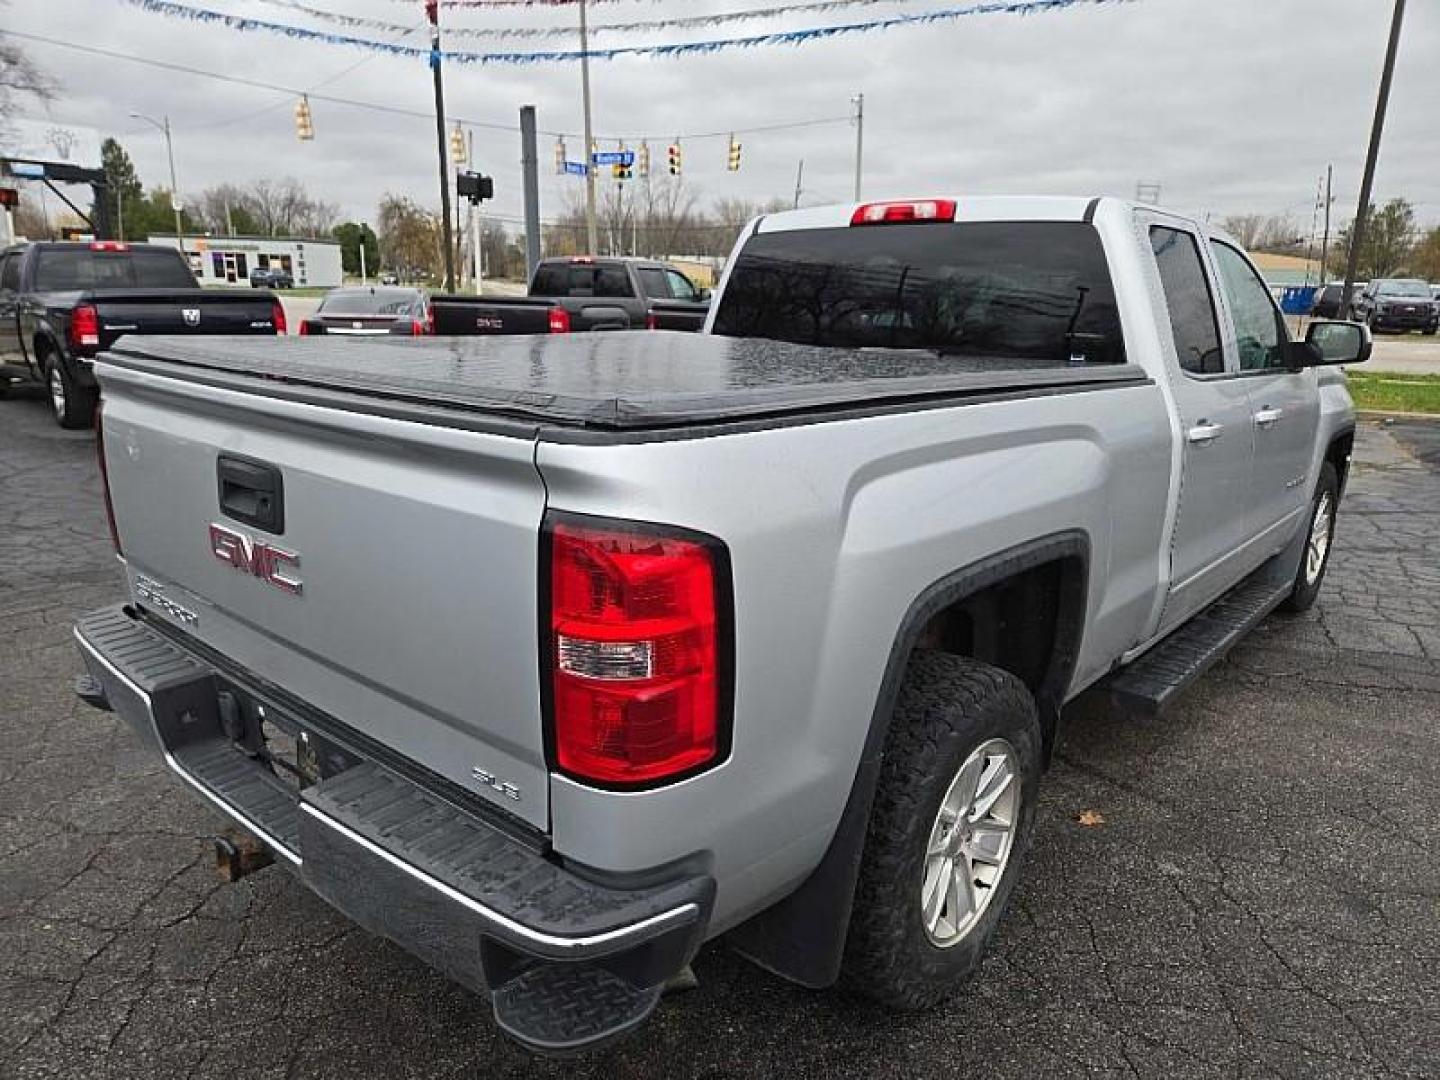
[885, 213]
[84, 327]
[277, 316]
[559, 321]
[637, 651]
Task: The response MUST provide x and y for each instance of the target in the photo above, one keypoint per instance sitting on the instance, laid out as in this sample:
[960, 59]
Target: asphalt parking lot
[1262, 899]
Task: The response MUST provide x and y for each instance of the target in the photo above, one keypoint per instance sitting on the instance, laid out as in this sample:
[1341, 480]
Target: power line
[397, 110]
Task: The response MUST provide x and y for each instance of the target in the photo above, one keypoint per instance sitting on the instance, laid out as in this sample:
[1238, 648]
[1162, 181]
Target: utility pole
[530, 183]
[164, 128]
[432, 12]
[363, 230]
[799, 175]
[590, 233]
[1325, 237]
[859, 102]
[477, 225]
[1357, 231]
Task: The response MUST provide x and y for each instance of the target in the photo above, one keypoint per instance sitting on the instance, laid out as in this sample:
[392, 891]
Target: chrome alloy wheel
[970, 842]
[1318, 546]
[57, 391]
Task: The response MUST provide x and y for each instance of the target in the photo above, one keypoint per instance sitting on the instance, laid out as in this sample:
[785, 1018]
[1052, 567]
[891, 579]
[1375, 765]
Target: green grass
[1381, 392]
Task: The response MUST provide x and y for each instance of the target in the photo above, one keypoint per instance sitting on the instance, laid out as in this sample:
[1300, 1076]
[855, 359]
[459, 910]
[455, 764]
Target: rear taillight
[637, 651]
[559, 321]
[108, 245]
[304, 328]
[84, 332]
[277, 316]
[105, 474]
[652, 321]
[884, 213]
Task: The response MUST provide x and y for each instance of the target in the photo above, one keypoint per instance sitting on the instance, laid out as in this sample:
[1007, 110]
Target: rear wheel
[1319, 538]
[952, 818]
[72, 404]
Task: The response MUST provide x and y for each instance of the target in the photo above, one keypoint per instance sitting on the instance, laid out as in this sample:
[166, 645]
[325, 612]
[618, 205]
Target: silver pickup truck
[552, 658]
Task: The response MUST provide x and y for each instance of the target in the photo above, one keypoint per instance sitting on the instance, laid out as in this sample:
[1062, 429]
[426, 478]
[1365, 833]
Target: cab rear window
[61, 269]
[1007, 294]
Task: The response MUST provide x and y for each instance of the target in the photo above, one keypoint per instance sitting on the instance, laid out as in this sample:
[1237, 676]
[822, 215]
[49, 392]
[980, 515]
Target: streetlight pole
[591, 234]
[363, 230]
[1357, 233]
[164, 129]
[432, 12]
[859, 102]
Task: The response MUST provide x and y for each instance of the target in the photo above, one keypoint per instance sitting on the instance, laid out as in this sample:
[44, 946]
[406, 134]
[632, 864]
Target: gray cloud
[1230, 105]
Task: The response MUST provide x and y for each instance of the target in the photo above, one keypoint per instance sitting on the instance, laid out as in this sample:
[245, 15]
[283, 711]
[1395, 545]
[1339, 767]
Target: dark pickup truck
[62, 303]
[581, 293]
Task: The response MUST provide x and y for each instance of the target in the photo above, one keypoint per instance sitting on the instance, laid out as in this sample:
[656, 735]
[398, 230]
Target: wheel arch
[802, 936]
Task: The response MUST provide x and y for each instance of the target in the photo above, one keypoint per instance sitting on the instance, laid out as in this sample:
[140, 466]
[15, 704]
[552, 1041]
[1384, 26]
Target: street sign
[30, 170]
[575, 168]
[614, 157]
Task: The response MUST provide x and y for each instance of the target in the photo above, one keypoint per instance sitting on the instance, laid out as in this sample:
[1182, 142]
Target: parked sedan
[271, 277]
[372, 310]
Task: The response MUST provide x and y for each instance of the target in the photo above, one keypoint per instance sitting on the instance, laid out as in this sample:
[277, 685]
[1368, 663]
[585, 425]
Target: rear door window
[991, 294]
[613, 280]
[1187, 298]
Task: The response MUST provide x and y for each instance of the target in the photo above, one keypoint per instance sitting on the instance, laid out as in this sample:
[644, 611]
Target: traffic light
[675, 158]
[304, 129]
[457, 146]
[560, 156]
[733, 164]
[644, 161]
[474, 186]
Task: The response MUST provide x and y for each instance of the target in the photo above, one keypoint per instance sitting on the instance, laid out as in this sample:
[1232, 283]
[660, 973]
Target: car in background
[371, 310]
[1327, 302]
[1401, 304]
[271, 277]
[389, 277]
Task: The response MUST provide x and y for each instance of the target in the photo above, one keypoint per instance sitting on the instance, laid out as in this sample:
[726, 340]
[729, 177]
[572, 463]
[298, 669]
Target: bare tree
[19, 78]
[1265, 232]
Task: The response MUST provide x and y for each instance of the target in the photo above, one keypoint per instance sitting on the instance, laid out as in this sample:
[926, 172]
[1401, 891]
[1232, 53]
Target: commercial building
[228, 260]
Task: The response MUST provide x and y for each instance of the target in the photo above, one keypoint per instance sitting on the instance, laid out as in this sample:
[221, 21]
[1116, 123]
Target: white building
[228, 260]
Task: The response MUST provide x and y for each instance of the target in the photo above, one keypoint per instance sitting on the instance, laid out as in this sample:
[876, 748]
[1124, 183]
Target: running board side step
[1149, 684]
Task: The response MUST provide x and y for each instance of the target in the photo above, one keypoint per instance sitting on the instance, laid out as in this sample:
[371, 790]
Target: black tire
[5, 385]
[1307, 587]
[948, 707]
[77, 409]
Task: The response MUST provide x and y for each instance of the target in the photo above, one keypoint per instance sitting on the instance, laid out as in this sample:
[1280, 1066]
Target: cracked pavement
[1263, 899]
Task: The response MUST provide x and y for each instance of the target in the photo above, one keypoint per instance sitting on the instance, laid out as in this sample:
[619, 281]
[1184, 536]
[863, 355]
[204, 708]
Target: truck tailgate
[400, 593]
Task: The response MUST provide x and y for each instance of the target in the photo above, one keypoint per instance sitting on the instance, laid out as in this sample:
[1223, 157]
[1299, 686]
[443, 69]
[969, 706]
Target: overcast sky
[1229, 105]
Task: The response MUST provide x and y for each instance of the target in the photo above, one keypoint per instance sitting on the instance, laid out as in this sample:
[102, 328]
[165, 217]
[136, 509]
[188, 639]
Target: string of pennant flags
[173, 9]
[681, 22]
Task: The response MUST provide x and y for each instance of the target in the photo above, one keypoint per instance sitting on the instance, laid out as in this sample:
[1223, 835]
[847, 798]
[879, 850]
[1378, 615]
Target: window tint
[1259, 333]
[1188, 299]
[393, 302]
[652, 280]
[680, 286]
[10, 272]
[551, 279]
[1011, 294]
[81, 268]
[612, 281]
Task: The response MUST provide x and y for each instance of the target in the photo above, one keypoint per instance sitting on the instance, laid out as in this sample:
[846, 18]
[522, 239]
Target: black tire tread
[1302, 596]
[939, 694]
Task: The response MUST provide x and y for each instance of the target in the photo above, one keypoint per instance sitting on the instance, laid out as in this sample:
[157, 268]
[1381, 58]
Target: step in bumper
[499, 914]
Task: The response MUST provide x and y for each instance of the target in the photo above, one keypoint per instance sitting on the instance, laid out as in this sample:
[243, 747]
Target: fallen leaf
[1090, 818]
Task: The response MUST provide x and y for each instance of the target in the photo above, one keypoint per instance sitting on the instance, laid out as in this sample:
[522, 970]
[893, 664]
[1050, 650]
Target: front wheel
[72, 404]
[952, 817]
[1319, 538]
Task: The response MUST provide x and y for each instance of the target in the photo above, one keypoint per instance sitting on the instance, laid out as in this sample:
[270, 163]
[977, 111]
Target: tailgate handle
[252, 492]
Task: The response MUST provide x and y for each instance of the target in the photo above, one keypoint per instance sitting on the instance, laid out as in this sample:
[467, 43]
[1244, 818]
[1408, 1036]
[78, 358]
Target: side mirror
[703, 296]
[1338, 343]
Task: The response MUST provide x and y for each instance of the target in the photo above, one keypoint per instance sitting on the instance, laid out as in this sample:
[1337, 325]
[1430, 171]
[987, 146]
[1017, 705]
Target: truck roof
[621, 382]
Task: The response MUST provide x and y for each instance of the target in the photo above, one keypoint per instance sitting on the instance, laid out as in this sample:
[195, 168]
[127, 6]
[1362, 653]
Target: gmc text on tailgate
[62, 303]
[593, 648]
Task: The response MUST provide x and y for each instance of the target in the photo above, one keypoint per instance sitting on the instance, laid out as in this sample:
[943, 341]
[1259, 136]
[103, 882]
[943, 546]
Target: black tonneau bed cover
[608, 382]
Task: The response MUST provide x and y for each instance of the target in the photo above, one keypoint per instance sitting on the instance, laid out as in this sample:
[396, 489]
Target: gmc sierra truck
[553, 658]
[61, 303]
[582, 293]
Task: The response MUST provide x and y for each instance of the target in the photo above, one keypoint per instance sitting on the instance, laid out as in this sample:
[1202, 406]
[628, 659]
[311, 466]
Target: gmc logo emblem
[256, 558]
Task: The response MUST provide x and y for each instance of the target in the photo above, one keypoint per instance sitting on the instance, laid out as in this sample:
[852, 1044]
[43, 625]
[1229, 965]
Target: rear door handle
[1267, 416]
[1204, 432]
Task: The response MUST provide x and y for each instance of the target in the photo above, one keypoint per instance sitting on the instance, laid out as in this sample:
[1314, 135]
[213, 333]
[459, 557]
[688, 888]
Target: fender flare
[802, 936]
